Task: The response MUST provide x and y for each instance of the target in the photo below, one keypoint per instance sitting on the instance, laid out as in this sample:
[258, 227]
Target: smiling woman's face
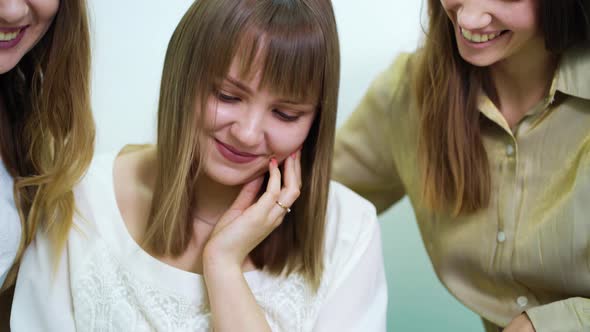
[489, 31]
[246, 126]
[22, 24]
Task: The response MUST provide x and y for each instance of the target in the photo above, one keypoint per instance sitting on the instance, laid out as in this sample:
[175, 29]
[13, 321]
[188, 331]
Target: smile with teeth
[8, 36]
[479, 38]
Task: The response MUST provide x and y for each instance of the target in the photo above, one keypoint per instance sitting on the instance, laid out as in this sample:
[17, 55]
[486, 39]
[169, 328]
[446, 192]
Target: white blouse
[10, 227]
[106, 282]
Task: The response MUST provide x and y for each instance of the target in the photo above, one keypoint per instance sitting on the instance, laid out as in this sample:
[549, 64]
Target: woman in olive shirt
[486, 128]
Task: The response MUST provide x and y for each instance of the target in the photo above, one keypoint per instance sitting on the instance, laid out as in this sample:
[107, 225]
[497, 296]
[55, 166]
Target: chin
[228, 180]
[230, 177]
[480, 60]
[7, 63]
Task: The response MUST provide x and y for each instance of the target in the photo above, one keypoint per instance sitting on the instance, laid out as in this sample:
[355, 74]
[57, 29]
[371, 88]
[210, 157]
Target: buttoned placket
[511, 175]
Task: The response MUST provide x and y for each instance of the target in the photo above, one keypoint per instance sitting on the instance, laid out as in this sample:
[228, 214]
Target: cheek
[523, 16]
[217, 115]
[210, 114]
[447, 5]
[284, 141]
[44, 10]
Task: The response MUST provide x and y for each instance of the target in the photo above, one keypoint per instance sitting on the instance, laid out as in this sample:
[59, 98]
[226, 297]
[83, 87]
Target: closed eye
[226, 98]
[284, 116]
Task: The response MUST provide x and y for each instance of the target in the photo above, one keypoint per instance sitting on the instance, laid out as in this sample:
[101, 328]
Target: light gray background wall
[129, 42]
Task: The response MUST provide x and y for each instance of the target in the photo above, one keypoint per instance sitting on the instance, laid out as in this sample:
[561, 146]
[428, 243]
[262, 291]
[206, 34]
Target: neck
[212, 199]
[523, 80]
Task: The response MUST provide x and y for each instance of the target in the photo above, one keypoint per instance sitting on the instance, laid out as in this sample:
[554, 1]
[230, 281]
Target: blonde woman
[46, 128]
[486, 128]
[230, 222]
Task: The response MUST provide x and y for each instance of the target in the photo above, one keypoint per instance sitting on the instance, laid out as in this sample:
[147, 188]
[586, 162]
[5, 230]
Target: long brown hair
[46, 128]
[454, 162]
[299, 46]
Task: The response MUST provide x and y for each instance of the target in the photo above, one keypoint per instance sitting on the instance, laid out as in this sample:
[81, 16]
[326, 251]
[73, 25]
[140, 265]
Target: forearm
[233, 306]
[567, 315]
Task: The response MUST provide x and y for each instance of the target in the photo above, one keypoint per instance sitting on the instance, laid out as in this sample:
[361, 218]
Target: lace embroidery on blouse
[108, 297]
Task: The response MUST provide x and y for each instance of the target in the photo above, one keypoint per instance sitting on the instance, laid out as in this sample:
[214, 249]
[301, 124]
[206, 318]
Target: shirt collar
[572, 77]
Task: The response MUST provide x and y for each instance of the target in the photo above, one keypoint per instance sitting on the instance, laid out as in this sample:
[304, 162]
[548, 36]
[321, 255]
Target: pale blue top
[10, 227]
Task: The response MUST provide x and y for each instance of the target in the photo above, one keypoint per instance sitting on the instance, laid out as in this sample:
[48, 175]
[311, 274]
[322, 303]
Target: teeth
[8, 36]
[466, 34]
[478, 38]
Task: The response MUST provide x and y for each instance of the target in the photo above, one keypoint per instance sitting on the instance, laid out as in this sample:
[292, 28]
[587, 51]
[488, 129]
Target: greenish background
[417, 300]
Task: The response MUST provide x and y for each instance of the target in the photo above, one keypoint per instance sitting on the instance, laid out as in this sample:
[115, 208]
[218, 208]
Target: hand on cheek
[249, 221]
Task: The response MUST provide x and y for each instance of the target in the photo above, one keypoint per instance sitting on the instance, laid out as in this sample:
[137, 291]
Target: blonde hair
[299, 46]
[47, 130]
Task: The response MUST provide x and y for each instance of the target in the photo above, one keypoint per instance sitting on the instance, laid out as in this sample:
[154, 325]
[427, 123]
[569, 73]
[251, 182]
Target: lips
[233, 155]
[10, 37]
[478, 39]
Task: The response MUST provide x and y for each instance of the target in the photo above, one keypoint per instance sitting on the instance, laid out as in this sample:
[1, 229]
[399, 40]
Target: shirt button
[522, 301]
[501, 237]
[509, 150]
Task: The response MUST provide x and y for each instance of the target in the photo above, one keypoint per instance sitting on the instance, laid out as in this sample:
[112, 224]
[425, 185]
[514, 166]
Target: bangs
[287, 49]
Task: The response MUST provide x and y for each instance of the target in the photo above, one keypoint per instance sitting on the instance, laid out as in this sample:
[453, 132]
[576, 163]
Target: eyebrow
[239, 84]
[302, 107]
[249, 91]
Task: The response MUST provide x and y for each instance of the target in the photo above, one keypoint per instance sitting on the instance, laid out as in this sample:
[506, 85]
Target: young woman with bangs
[230, 222]
[486, 128]
[46, 127]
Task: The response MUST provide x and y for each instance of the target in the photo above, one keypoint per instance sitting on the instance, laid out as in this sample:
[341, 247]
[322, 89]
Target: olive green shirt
[530, 250]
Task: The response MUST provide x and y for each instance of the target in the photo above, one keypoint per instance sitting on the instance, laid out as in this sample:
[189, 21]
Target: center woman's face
[22, 24]
[490, 31]
[247, 126]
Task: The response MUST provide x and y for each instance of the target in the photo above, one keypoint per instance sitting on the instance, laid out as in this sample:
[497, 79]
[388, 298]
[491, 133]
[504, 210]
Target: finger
[274, 180]
[298, 168]
[290, 172]
[245, 199]
[290, 192]
[282, 206]
[273, 191]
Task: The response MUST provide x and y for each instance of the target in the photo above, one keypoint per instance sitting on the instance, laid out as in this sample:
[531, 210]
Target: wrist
[215, 263]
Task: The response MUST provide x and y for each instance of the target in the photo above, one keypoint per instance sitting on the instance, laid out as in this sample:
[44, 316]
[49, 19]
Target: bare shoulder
[134, 171]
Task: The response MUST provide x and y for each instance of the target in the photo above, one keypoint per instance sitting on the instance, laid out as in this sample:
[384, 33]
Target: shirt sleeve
[568, 315]
[42, 297]
[364, 148]
[357, 298]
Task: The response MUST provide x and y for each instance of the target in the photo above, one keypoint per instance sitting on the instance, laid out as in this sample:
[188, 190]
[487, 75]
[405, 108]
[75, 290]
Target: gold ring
[286, 208]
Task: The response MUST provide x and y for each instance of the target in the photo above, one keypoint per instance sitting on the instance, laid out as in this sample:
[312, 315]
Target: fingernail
[293, 155]
[274, 162]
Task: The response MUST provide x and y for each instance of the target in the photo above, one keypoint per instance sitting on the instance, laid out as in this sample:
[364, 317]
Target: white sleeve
[42, 297]
[357, 299]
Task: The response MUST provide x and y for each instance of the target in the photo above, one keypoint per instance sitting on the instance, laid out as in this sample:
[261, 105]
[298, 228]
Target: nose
[248, 128]
[473, 16]
[13, 11]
